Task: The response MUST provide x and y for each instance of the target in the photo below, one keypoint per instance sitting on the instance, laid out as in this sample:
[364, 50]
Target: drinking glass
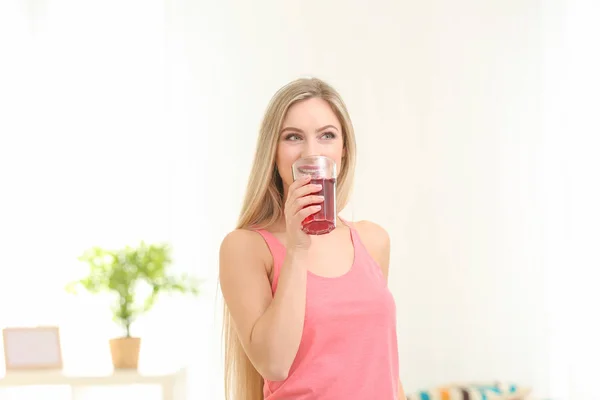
[323, 172]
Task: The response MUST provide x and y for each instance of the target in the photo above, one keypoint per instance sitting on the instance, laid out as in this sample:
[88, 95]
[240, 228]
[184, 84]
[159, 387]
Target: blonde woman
[306, 317]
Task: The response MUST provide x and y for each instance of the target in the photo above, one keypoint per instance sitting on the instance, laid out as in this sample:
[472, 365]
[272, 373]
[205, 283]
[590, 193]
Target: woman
[306, 317]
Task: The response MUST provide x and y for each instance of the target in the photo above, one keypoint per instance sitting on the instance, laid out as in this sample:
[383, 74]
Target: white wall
[447, 102]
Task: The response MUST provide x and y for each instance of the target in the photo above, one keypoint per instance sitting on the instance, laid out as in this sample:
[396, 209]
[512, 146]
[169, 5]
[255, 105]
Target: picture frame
[32, 348]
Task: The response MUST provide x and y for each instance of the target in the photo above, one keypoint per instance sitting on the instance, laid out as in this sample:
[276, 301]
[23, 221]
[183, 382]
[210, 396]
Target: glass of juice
[323, 172]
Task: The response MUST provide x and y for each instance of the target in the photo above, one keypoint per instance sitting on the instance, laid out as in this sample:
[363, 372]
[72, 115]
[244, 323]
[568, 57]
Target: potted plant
[122, 272]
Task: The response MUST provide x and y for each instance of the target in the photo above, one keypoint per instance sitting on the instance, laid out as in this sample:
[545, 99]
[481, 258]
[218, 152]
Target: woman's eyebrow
[294, 129]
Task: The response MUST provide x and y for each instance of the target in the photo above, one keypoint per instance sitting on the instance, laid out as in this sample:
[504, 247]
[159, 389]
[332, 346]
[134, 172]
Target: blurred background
[477, 129]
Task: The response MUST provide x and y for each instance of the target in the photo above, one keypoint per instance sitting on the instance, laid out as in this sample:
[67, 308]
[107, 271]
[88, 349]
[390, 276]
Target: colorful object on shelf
[473, 391]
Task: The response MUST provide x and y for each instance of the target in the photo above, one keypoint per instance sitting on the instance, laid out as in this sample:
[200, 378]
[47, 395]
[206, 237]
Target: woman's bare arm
[269, 327]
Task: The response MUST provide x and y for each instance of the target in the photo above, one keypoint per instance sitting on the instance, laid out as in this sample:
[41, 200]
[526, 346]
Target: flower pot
[125, 352]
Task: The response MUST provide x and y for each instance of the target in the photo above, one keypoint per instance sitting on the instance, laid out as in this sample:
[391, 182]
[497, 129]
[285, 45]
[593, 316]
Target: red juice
[324, 220]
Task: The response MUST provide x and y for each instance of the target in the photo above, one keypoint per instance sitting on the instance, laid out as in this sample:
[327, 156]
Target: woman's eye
[293, 137]
[329, 135]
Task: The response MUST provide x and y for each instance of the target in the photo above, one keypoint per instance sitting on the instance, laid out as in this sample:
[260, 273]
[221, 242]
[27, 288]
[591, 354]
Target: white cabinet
[172, 386]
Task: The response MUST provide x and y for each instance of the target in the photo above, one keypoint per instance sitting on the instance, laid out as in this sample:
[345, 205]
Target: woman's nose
[310, 148]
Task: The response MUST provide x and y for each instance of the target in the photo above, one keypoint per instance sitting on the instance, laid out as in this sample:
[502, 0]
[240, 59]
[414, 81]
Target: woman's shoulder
[243, 242]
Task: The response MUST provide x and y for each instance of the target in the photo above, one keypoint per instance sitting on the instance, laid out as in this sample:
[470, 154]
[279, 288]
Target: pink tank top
[349, 347]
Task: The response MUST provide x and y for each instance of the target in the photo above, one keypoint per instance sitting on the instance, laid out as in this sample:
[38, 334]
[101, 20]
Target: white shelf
[172, 384]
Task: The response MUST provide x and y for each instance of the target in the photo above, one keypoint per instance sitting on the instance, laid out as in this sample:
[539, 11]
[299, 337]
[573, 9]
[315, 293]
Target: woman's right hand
[301, 202]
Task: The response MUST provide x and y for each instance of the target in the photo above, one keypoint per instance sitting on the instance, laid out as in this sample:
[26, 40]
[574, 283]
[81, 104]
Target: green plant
[125, 271]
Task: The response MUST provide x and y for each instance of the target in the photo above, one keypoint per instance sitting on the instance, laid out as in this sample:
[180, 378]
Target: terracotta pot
[125, 352]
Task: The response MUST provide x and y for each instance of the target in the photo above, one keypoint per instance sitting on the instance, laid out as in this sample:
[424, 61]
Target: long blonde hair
[263, 206]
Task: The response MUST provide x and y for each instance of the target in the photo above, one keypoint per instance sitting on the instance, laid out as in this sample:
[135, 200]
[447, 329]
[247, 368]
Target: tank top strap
[363, 258]
[353, 232]
[277, 252]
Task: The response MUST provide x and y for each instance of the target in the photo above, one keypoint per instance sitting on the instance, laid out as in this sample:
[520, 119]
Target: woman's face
[310, 128]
